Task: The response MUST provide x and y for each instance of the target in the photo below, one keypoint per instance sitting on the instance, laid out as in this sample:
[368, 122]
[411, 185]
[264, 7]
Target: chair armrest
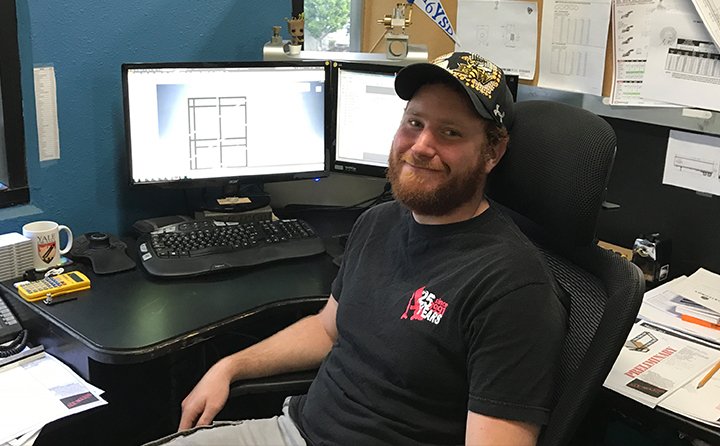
[294, 383]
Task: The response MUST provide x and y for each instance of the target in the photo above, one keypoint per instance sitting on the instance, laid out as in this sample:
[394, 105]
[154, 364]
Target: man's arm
[301, 346]
[484, 430]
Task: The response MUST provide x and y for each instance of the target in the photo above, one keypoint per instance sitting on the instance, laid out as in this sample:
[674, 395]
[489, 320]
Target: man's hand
[301, 346]
[207, 398]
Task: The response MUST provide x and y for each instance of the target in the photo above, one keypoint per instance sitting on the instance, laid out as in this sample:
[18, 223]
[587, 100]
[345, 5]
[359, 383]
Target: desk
[140, 338]
[130, 317]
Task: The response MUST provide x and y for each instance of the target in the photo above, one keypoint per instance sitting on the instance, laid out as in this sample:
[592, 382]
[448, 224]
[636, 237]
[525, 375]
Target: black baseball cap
[482, 80]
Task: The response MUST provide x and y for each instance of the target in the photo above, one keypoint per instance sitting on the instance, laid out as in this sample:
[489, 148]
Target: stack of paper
[16, 255]
[691, 311]
[660, 307]
[674, 348]
[37, 390]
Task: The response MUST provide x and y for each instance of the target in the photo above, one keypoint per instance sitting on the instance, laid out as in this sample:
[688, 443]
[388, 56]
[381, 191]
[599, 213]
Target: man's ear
[493, 154]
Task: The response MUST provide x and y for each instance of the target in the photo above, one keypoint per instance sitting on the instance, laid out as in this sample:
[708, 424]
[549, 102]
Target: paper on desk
[38, 390]
[25, 440]
[658, 307]
[572, 45]
[700, 404]
[504, 32]
[683, 63]
[653, 364]
[692, 161]
[702, 287]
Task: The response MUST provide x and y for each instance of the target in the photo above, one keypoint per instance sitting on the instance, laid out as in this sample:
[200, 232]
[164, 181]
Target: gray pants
[275, 431]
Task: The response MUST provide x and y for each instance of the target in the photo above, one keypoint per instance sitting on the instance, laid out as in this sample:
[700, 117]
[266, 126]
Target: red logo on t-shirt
[424, 305]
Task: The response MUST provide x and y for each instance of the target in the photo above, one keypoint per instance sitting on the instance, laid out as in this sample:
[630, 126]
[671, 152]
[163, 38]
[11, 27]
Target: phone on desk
[9, 325]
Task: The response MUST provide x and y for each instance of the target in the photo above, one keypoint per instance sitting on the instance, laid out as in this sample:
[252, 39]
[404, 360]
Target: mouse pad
[105, 251]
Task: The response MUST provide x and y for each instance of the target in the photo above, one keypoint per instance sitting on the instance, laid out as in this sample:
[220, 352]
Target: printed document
[709, 12]
[653, 364]
[702, 287]
[692, 161]
[572, 45]
[38, 390]
[683, 63]
[631, 24]
[658, 307]
[504, 32]
[699, 404]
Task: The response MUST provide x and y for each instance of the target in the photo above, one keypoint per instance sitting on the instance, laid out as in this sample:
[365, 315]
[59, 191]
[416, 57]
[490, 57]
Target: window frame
[17, 191]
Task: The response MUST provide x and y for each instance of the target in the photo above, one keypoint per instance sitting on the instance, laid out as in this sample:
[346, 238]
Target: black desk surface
[131, 317]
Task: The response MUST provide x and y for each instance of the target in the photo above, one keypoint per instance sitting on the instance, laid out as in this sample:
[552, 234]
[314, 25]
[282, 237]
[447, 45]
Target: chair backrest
[552, 182]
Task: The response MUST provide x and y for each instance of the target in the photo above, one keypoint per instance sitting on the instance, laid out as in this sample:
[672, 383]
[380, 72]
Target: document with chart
[631, 21]
[683, 64]
[572, 45]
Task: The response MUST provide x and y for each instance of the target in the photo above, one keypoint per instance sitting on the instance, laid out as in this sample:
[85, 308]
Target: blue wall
[86, 42]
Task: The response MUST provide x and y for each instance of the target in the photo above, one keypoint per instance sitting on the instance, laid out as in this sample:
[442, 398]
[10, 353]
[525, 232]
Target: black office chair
[552, 182]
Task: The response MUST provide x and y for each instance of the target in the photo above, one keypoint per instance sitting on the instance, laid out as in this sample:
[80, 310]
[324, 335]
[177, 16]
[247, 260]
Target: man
[443, 326]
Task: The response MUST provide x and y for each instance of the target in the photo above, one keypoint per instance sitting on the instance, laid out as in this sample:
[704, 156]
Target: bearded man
[443, 326]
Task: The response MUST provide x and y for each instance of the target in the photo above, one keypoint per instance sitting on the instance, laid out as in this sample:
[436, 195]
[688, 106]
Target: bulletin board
[424, 31]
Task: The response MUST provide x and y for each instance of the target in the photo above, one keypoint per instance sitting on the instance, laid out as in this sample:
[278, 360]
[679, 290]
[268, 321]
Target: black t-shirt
[433, 321]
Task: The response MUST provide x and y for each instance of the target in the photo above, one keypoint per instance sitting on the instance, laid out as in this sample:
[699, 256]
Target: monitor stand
[234, 198]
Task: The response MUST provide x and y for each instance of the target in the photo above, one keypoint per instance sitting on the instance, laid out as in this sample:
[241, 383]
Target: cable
[15, 346]
[383, 196]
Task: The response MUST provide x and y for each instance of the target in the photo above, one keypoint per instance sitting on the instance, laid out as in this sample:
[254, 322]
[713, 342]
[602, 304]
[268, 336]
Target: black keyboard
[204, 246]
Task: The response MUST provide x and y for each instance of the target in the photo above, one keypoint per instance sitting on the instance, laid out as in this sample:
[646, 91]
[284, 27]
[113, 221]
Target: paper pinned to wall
[709, 11]
[572, 45]
[692, 161]
[631, 21]
[503, 32]
[683, 64]
[46, 112]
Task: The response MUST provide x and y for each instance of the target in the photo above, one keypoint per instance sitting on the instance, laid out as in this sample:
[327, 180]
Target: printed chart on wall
[684, 62]
[572, 45]
[504, 32]
[631, 24]
[692, 161]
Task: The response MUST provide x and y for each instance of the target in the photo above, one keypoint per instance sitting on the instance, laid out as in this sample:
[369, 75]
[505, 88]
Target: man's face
[439, 157]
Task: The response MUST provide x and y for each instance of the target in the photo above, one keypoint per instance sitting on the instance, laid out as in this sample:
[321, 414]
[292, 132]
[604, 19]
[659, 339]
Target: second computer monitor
[367, 114]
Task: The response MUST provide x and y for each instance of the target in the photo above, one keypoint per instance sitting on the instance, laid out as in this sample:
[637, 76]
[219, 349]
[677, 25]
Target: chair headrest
[555, 170]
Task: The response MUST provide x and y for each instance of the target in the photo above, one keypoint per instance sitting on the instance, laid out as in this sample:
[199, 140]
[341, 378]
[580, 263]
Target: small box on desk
[16, 255]
[260, 214]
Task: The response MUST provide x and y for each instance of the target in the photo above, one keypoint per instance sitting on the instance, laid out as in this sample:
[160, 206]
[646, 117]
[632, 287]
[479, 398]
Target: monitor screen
[367, 115]
[205, 123]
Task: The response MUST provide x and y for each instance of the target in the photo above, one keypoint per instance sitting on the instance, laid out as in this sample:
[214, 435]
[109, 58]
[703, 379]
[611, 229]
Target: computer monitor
[205, 124]
[367, 115]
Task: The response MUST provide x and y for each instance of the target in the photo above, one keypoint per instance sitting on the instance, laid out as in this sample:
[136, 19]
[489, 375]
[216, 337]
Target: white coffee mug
[45, 236]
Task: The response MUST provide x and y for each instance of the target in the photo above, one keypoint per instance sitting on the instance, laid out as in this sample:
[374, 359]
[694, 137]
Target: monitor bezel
[345, 166]
[244, 179]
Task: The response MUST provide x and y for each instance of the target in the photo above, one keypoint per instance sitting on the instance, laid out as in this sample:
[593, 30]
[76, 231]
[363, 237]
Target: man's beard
[453, 192]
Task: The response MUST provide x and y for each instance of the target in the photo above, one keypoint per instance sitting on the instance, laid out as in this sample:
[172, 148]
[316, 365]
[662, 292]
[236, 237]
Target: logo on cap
[475, 72]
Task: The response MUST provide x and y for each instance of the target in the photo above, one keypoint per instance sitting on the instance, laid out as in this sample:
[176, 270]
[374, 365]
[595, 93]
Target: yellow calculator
[54, 286]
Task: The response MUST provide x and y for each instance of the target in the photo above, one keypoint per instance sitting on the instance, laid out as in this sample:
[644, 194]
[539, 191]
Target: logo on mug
[46, 248]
